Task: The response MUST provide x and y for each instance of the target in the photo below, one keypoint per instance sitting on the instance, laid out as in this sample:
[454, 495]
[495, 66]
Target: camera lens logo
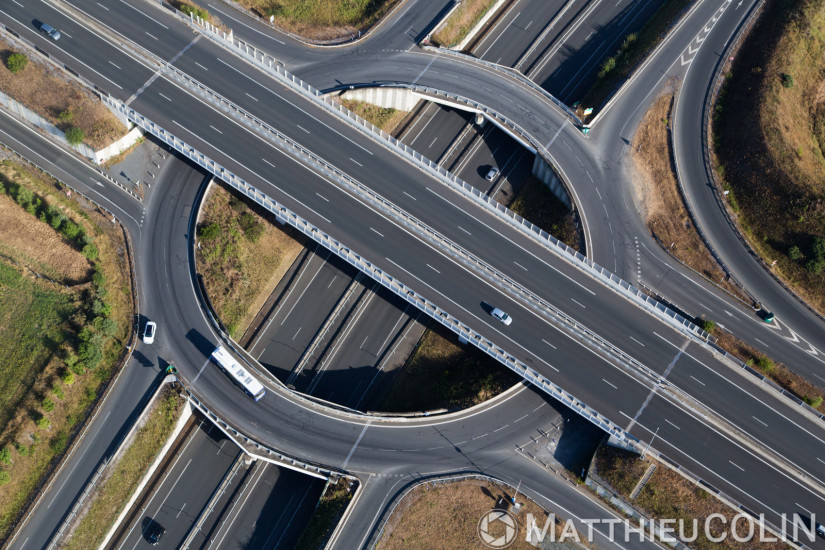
[497, 529]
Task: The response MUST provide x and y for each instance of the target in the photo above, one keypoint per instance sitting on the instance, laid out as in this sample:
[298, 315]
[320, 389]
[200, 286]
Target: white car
[149, 332]
[491, 175]
[501, 316]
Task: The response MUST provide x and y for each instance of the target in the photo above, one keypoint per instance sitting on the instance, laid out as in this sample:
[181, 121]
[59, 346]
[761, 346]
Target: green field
[34, 319]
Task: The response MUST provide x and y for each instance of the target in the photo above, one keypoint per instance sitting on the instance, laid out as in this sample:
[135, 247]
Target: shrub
[59, 442]
[68, 378]
[48, 405]
[787, 80]
[765, 364]
[43, 423]
[815, 266]
[90, 252]
[189, 9]
[708, 326]
[75, 135]
[17, 62]
[22, 450]
[5, 455]
[58, 391]
[5, 477]
[209, 232]
[794, 253]
[608, 65]
[70, 230]
[252, 229]
[91, 352]
[813, 402]
[66, 117]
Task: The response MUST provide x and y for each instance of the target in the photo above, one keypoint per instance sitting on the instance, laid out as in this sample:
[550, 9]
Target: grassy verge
[635, 47]
[769, 141]
[446, 517]
[535, 202]
[125, 476]
[441, 373]
[59, 341]
[667, 495]
[779, 373]
[322, 19]
[461, 22]
[332, 506]
[385, 118]
[243, 253]
[658, 191]
[62, 102]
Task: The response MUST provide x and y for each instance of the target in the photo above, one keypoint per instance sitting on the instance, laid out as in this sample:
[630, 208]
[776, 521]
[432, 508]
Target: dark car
[50, 31]
[154, 532]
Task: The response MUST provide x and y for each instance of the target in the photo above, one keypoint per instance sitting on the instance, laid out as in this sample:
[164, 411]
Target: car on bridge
[501, 316]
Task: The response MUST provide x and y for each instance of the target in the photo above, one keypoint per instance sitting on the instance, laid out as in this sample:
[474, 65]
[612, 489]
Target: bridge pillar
[543, 171]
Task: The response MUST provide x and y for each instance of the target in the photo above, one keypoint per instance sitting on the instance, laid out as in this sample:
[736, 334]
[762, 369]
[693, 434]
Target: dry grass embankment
[663, 206]
[441, 373]
[769, 138]
[445, 517]
[322, 19]
[58, 345]
[667, 495]
[535, 202]
[243, 253]
[634, 49]
[461, 22]
[779, 373]
[62, 102]
[123, 478]
[385, 118]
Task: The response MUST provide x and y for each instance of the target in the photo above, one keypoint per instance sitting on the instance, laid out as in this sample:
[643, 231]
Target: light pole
[649, 443]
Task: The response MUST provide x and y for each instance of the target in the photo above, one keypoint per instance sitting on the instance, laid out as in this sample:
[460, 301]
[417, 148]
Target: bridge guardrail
[270, 66]
[362, 264]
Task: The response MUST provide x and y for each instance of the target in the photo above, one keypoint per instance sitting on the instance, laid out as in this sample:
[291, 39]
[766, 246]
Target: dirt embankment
[657, 191]
[62, 102]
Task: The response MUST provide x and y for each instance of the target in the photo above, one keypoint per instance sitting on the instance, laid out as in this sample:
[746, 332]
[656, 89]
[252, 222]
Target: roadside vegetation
[242, 255]
[535, 202]
[635, 47]
[63, 102]
[123, 478]
[332, 506]
[385, 118]
[667, 495]
[445, 516]
[441, 373]
[769, 141]
[322, 19]
[792, 382]
[461, 22]
[65, 312]
[657, 192]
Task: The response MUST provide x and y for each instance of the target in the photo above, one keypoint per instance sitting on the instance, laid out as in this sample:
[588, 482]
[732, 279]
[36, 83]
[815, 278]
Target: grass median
[461, 22]
[667, 495]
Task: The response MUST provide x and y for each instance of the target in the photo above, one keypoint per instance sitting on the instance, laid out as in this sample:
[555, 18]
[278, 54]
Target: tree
[794, 253]
[17, 62]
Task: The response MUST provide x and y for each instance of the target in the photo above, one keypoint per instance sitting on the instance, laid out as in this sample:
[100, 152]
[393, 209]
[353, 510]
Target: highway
[604, 312]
